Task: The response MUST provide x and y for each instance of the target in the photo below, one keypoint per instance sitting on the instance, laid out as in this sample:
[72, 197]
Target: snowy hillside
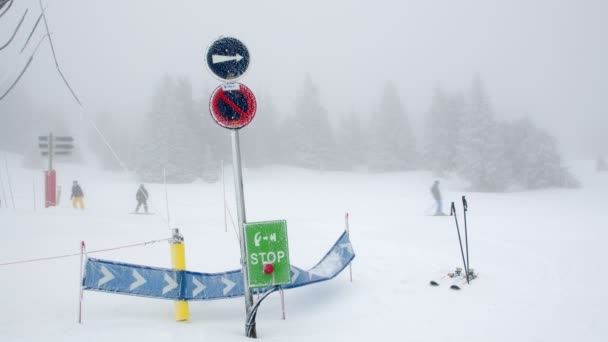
[540, 256]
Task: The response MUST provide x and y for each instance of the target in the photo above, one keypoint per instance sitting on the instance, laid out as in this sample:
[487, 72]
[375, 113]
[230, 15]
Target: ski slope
[540, 256]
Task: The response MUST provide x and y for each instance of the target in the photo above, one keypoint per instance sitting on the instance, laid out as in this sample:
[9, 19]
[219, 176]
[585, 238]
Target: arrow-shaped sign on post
[221, 59]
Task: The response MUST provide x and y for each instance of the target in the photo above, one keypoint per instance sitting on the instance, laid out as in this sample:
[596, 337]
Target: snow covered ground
[540, 255]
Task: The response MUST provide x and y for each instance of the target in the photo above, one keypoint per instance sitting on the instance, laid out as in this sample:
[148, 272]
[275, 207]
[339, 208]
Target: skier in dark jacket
[77, 196]
[142, 198]
[437, 196]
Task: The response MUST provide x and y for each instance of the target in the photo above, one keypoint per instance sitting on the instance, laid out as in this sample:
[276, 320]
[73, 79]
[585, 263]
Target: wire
[7, 8]
[29, 61]
[15, 32]
[32, 32]
[89, 252]
[55, 56]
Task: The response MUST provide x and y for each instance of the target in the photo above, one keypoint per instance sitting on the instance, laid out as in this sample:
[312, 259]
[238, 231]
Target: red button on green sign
[232, 105]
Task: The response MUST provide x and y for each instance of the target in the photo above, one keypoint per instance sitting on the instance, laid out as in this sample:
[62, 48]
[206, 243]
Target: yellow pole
[178, 261]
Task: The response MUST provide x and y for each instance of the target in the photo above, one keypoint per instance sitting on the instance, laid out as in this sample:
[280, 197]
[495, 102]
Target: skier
[437, 196]
[142, 198]
[77, 196]
[600, 164]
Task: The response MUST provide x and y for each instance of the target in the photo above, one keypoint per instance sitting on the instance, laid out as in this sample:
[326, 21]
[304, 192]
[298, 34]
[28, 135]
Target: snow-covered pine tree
[600, 164]
[213, 140]
[187, 154]
[535, 157]
[391, 143]
[441, 131]
[260, 141]
[308, 134]
[168, 141]
[350, 151]
[481, 146]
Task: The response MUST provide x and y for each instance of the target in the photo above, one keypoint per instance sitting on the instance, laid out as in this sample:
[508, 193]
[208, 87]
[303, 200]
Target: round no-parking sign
[232, 105]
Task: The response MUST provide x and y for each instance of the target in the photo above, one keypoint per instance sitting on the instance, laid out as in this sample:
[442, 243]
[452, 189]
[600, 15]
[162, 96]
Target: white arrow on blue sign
[227, 58]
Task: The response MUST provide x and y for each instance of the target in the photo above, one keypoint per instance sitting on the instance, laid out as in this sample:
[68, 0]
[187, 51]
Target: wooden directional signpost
[51, 146]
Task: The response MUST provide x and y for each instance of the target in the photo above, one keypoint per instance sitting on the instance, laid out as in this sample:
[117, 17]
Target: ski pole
[466, 238]
[453, 213]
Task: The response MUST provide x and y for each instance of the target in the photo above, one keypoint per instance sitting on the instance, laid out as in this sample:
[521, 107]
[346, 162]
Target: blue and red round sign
[232, 105]
[227, 58]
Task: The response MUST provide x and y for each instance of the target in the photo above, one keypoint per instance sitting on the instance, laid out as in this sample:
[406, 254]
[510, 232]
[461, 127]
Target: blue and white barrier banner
[137, 280]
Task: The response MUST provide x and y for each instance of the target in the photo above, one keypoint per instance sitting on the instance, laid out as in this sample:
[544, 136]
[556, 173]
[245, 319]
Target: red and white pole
[81, 293]
[350, 265]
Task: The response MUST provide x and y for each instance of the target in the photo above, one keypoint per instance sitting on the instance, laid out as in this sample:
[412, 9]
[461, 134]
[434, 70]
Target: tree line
[461, 136]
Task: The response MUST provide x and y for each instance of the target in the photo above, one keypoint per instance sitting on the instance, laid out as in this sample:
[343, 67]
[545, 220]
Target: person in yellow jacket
[77, 196]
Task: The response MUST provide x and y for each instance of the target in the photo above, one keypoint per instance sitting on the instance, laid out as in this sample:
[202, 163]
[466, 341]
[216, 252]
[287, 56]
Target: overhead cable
[32, 32]
[55, 56]
[15, 32]
[27, 65]
[2, 3]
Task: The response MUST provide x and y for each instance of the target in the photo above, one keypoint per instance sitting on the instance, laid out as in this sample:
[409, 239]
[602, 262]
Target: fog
[544, 59]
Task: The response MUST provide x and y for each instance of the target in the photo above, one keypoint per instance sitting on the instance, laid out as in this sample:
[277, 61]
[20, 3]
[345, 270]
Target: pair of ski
[469, 274]
[457, 277]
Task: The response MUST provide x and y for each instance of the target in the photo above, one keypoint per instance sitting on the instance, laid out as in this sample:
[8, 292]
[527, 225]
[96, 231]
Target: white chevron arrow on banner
[139, 280]
[172, 284]
[229, 285]
[295, 275]
[348, 246]
[199, 287]
[107, 276]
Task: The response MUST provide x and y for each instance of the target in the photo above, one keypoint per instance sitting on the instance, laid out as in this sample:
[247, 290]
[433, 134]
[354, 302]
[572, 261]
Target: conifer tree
[168, 141]
[536, 161]
[391, 144]
[441, 131]
[260, 141]
[481, 146]
[308, 134]
[350, 152]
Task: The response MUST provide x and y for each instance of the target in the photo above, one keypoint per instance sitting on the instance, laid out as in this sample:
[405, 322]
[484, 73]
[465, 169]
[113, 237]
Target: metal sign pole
[240, 206]
[50, 151]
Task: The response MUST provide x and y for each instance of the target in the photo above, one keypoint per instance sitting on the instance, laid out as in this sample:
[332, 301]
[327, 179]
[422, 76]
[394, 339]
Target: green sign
[267, 253]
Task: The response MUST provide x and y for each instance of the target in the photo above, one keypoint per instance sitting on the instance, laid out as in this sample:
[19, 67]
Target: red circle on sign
[268, 268]
[232, 105]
